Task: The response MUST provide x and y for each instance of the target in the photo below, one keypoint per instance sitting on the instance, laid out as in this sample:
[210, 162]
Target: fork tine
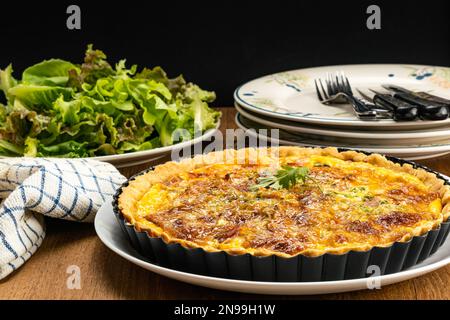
[317, 91]
[338, 84]
[327, 96]
[344, 86]
[376, 92]
[330, 86]
[364, 95]
[349, 88]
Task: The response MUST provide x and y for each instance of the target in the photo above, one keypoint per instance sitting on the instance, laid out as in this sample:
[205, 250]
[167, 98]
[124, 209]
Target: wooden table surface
[105, 275]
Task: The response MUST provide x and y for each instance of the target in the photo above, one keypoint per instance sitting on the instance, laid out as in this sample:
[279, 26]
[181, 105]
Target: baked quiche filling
[308, 201]
[340, 205]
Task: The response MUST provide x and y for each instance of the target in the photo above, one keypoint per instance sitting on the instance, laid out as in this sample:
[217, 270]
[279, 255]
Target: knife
[428, 109]
[402, 111]
[420, 94]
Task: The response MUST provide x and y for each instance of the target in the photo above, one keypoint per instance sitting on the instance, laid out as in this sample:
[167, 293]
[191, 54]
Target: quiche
[344, 201]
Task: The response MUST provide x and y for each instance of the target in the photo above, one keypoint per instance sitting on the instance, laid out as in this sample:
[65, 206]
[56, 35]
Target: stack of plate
[287, 101]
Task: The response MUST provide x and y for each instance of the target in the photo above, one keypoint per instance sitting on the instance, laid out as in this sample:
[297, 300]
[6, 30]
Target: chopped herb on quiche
[286, 178]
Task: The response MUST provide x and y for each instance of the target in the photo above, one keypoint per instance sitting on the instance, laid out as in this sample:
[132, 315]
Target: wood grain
[104, 275]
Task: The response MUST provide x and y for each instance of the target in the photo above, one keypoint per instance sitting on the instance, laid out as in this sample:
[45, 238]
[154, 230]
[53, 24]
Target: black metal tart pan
[327, 267]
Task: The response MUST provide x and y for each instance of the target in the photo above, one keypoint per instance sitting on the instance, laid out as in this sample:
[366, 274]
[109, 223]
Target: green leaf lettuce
[61, 109]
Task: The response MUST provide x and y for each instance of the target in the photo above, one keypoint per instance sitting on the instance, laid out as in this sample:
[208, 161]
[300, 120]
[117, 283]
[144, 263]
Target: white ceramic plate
[427, 156]
[112, 236]
[418, 152]
[405, 156]
[152, 156]
[410, 136]
[291, 95]
[149, 160]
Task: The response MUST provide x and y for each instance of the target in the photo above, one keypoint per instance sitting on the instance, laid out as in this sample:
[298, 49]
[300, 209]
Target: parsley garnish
[286, 177]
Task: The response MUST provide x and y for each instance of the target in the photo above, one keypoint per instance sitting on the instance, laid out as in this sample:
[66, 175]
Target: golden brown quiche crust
[130, 196]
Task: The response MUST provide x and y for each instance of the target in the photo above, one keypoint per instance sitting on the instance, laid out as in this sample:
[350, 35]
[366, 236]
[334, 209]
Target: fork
[338, 90]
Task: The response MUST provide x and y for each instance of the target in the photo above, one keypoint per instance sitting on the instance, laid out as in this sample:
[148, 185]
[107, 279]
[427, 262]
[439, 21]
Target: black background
[221, 44]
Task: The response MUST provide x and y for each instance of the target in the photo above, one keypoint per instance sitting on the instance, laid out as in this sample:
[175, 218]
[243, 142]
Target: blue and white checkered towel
[59, 188]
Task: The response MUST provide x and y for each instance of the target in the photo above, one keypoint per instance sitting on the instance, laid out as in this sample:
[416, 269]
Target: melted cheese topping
[344, 204]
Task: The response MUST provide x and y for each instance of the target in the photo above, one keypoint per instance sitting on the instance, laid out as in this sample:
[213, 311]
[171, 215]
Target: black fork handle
[423, 105]
[421, 95]
[403, 111]
[427, 109]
